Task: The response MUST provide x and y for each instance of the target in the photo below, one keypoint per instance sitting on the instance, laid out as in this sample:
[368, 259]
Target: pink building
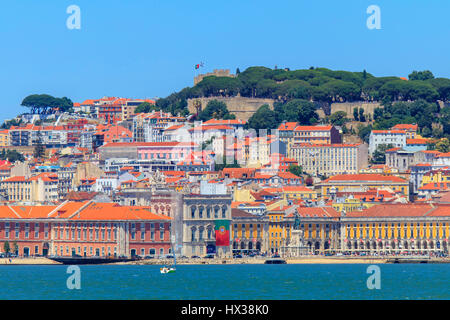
[175, 151]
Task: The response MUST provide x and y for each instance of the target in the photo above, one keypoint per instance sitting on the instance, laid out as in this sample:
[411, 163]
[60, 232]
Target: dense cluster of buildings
[112, 182]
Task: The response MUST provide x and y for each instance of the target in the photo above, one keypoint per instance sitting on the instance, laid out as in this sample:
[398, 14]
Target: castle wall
[242, 107]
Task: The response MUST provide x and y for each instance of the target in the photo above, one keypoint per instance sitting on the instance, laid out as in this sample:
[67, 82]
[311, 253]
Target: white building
[397, 138]
[330, 159]
[212, 188]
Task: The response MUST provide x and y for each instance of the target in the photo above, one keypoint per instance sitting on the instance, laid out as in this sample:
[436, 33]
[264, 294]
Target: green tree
[6, 247]
[145, 107]
[339, 118]
[12, 156]
[45, 103]
[215, 110]
[445, 120]
[355, 113]
[9, 123]
[443, 145]
[426, 132]
[299, 110]
[263, 118]
[421, 75]
[379, 155]
[295, 169]
[362, 118]
[15, 247]
[442, 85]
[343, 90]
[364, 132]
[212, 86]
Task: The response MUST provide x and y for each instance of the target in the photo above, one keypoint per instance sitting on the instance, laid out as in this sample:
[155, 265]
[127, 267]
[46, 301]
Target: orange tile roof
[15, 179]
[423, 165]
[313, 128]
[226, 122]
[394, 210]
[113, 211]
[389, 131]
[417, 141]
[312, 212]
[442, 210]
[288, 126]
[364, 178]
[435, 186]
[149, 144]
[404, 126]
[393, 149]
[444, 155]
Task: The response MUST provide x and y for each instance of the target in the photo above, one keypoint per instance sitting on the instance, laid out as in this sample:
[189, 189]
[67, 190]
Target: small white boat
[167, 269]
[172, 268]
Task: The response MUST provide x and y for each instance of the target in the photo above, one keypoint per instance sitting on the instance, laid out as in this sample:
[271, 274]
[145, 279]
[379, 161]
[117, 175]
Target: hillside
[410, 100]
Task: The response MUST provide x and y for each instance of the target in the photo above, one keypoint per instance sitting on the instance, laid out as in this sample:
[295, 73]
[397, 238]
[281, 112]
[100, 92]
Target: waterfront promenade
[255, 260]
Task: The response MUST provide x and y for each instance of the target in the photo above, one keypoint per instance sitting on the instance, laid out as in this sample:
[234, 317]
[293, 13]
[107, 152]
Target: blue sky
[148, 48]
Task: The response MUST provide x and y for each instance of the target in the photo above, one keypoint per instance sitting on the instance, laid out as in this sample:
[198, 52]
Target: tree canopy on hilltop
[46, 102]
[320, 85]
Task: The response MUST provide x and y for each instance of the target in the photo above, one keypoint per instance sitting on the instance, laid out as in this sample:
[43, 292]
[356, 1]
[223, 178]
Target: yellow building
[350, 204]
[347, 182]
[249, 232]
[279, 227]
[4, 138]
[395, 228]
[436, 176]
[295, 192]
[387, 229]
[41, 188]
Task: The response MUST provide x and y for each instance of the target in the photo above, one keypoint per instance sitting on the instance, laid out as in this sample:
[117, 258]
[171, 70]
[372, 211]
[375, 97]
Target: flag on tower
[199, 65]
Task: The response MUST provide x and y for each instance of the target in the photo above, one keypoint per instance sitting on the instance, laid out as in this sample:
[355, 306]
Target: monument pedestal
[295, 247]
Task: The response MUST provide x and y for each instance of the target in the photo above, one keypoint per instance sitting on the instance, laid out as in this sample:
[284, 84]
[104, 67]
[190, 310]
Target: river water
[279, 282]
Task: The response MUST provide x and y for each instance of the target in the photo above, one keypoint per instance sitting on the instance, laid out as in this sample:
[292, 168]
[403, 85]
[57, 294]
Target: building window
[152, 231]
[161, 231]
[142, 231]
